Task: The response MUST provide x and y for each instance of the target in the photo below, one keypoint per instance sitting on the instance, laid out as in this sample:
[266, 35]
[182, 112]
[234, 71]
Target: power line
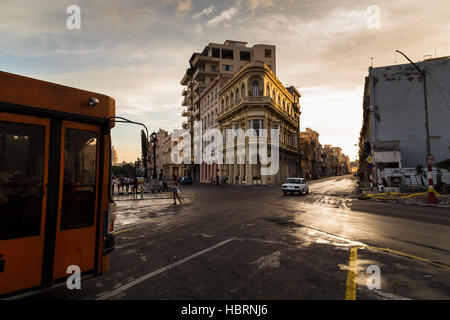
[440, 91]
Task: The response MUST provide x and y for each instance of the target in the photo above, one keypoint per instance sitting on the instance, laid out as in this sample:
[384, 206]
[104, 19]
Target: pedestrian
[127, 184]
[176, 192]
[121, 184]
[113, 184]
[135, 186]
[217, 178]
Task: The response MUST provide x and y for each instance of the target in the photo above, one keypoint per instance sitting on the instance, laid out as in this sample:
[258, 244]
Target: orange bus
[56, 209]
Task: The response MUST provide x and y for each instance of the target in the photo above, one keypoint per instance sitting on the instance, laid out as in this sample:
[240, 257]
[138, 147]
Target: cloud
[254, 4]
[225, 15]
[204, 12]
[183, 7]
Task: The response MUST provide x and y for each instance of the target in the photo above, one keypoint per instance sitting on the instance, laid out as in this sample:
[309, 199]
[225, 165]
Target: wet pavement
[237, 242]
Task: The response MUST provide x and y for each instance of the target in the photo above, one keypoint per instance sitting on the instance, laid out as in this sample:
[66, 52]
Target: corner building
[254, 98]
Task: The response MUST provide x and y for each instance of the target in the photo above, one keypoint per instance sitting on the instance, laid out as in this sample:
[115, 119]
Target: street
[238, 242]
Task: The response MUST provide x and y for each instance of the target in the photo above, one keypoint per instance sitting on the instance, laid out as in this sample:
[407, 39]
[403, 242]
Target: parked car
[186, 180]
[295, 185]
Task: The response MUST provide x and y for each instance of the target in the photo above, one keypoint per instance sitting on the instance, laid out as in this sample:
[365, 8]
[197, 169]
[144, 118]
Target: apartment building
[311, 154]
[254, 98]
[204, 67]
[320, 161]
[393, 130]
[209, 110]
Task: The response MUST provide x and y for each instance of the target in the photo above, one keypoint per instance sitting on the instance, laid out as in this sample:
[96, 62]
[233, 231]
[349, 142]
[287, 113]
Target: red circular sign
[430, 159]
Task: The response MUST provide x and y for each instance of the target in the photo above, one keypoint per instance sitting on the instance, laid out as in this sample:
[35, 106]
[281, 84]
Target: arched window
[273, 94]
[284, 105]
[237, 94]
[279, 99]
[232, 98]
[227, 102]
[222, 106]
[255, 88]
[267, 90]
[243, 90]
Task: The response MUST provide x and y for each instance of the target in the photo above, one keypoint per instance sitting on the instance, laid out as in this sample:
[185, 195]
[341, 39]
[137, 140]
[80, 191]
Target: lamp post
[431, 196]
[154, 141]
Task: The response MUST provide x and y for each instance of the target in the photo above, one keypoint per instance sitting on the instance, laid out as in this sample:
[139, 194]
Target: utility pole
[431, 195]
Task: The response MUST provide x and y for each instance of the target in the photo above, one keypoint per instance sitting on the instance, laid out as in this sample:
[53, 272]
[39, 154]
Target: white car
[295, 185]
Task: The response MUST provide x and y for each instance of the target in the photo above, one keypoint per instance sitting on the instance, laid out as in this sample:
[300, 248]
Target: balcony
[196, 113]
[200, 73]
[184, 103]
[200, 60]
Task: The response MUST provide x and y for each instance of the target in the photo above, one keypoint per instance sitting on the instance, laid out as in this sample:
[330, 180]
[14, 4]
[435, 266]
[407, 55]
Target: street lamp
[431, 195]
[154, 140]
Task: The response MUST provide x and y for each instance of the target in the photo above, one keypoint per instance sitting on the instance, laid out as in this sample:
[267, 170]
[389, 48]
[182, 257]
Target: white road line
[154, 273]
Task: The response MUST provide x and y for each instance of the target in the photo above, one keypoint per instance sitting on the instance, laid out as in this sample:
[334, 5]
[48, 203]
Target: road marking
[156, 272]
[350, 292]
[438, 264]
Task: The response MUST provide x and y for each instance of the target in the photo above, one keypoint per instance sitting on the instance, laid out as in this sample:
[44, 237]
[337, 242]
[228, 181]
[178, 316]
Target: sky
[137, 51]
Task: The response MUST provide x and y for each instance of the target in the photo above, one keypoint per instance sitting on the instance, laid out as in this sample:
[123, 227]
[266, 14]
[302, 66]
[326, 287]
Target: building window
[268, 53]
[227, 54]
[227, 102]
[215, 52]
[227, 67]
[257, 125]
[267, 90]
[232, 98]
[222, 106]
[255, 88]
[243, 90]
[237, 94]
[273, 94]
[245, 55]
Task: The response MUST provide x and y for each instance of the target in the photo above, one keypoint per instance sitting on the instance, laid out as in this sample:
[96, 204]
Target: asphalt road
[237, 242]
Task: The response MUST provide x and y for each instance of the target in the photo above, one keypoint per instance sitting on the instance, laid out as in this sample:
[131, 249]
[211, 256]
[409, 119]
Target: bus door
[77, 205]
[24, 148]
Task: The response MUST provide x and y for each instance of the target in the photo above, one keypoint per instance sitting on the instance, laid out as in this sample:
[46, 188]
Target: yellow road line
[410, 256]
[350, 292]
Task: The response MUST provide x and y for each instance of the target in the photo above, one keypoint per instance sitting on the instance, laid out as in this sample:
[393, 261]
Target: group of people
[125, 184]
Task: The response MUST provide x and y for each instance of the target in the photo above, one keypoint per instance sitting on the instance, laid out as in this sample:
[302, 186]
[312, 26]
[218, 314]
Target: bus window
[80, 171]
[21, 179]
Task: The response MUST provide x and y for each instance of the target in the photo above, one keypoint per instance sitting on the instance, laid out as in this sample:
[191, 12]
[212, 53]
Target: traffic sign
[430, 160]
[369, 159]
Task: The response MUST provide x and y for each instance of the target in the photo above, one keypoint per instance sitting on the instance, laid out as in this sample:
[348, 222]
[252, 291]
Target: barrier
[401, 196]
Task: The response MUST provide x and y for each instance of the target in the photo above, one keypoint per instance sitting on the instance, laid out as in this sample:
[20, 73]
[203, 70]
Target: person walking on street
[176, 191]
[121, 184]
[127, 185]
[135, 186]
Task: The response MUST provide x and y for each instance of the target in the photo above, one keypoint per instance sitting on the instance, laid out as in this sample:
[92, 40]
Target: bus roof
[29, 92]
